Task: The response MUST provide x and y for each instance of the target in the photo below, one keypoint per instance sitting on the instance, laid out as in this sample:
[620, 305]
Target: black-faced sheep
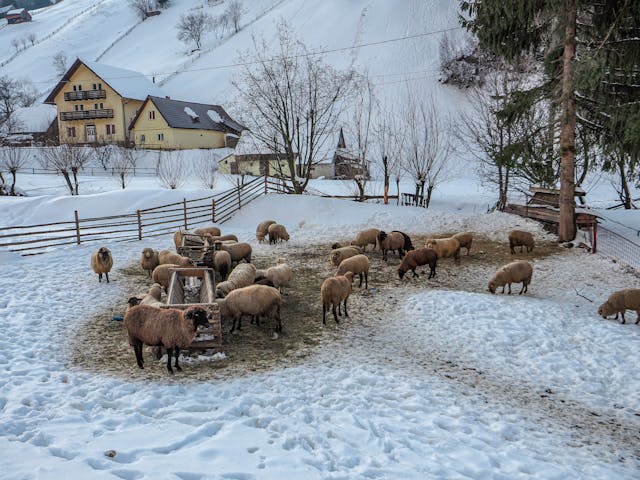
[620, 301]
[339, 254]
[167, 256]
[238, 251]
[465, 239]
[254, 300]
[101, 262]
[408, 245]
[519, 238]
[149, 260]
[445, 247]
[333, 292]
[514, 272]
[416, 258]
[392, 241]
[366, 237]
[280, 275]
[170, 328]
[263, 229]
[277, 233]
[241, 276]
[358, 265]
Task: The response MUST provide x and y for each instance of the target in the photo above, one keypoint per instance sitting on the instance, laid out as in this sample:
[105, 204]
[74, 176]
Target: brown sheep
[407, 240]
[206, 231]
[445, 247]
[149, 260]
[333, 292]
[366, 237]
[339, 254]
[391, 241]
[167, 256]
[101, 262]
[162, 274]
[514, 272]
[254, 300]
[465, 239]
[416, 258]
[223, 238]
[519, 238]
[358, 265]
[222, 263]
[238, 251]
[277, 233]
[620, 301]
[263, 229]
[170, 328]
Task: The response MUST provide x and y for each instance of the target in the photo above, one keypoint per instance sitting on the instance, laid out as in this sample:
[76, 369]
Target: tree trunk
[75, 179]
[122, 180]
[566, 224]
[385, 163]
[429, 191]
[625, 194]
[13, 183]
[67, 179]
[398, 191]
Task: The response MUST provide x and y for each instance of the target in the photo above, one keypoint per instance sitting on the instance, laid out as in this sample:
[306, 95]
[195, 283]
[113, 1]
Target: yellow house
[163, 123]
[97, 102]
[252, 158]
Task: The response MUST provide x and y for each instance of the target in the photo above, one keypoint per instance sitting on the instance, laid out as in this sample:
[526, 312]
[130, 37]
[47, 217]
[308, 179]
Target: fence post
[184, 209]
[75, 213]
[139, 225]
[213, 210]
[239, 199]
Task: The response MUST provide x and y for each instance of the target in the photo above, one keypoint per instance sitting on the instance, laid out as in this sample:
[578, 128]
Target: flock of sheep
[243, 290]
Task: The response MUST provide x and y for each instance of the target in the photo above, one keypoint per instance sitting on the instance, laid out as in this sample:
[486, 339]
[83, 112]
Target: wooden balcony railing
[86, 114]
[85, 95]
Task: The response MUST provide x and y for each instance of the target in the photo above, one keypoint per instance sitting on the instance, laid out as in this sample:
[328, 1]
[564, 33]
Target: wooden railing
[87, 114]
[143, 223]
[85, 94]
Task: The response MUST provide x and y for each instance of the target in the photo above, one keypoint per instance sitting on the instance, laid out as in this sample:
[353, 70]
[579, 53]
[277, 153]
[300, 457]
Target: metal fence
[616, 246]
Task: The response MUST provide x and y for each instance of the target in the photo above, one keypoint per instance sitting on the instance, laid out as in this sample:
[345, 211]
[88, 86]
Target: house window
[99, 86]
[111, 129]
[160, 137]
[79, 88]
[142, 138]
[75, 88]
[152, 114]
[71, 131]
[95, 87]
[98, 105]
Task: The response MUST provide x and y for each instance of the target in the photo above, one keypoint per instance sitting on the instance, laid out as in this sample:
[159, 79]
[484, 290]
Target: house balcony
[85, 95]
[87, 114]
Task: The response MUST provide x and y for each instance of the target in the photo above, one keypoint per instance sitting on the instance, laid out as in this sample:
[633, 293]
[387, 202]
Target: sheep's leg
[366, 280]
[177, 354]
[339, 311]
[524, 286]
[360, 275]
[137, 349]
[99, 277]
[509, 288]
[414, 273]
[638, 320]
[278, 320]
[345, 308]
[335, 317]
[324, 314]
[503, 287]
[623, 319]
[400, 253]
[107, 275]
[169, 355]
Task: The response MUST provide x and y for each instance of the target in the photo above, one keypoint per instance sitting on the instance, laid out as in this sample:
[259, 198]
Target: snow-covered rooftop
[33, 119]
[128, 83]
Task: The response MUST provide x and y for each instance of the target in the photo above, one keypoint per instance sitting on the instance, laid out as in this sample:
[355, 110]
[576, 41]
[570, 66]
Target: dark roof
[198, 116]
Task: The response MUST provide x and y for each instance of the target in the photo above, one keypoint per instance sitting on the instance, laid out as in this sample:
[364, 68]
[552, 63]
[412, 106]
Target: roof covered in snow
[199, 116]
[127, 83]
[33, 119]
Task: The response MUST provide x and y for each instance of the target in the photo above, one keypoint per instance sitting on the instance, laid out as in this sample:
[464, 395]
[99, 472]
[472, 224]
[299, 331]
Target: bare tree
[123, 164]
[360, 126]
[387, 146]
[292, 100]
[12, 159]
[233, 13]
[192, 27]
[60, 63]
[427, 147]
[141, 7]
[104, 153]
[171, 169]
[14, 94]
[206, 168]
[68, 159]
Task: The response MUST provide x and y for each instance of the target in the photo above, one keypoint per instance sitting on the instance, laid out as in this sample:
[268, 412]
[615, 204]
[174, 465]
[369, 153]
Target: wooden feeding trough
[198, 283]
[196, 247]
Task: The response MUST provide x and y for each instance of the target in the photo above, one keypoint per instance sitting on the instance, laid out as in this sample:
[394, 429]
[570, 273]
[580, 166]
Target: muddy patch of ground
[101, 344]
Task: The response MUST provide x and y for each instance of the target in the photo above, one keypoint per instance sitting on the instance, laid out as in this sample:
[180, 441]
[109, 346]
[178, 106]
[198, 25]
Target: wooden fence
[144, 223]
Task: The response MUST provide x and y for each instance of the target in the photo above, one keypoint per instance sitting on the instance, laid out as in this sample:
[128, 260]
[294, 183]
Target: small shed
[5, 10]
[19, 15]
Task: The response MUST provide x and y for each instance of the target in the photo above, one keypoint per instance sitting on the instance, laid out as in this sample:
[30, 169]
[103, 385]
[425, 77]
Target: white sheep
[263, 229]
[170, 328]
[241, 276]
[339, 254]
[514, 272]
[101, 262]
[254, 300]
[445, 247]
[358, 265]
[333, 292]
[167, 256]
[465, 239]
[280, 275]
[366, 237]
[238, 251]
[520, 238]
[621, 301]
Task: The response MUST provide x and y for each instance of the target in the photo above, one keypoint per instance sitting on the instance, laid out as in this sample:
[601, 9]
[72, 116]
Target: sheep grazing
[465, 239]
[620, 301]
[366, 237]
[167, 256]
[162, 274]
[101, 262]
[416, 258]
[407, 240]
[514, 272]
[206, 231]
[519, 238]
[280, 275]
[238, 251]
[277, 233]
[445, 247]
[255, 300]
[149, 260]
[358, 265]
[222, 263]
[391, 241]
[263, 229]
[333, 292]
[170, 328]
[241, 276]
[339, 254]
